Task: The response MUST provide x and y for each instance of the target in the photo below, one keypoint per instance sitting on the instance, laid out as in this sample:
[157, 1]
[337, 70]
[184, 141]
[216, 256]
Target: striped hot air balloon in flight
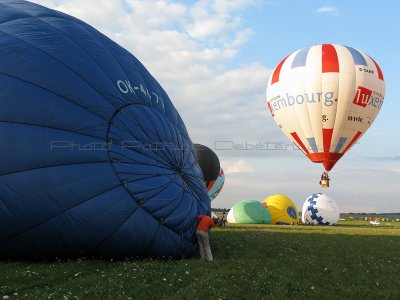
[324, 98]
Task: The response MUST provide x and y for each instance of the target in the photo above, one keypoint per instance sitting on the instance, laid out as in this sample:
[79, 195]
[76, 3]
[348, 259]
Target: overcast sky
[214, 59]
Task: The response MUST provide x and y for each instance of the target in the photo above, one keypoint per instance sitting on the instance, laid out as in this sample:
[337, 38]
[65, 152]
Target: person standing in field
[204, 224]
[223, 219]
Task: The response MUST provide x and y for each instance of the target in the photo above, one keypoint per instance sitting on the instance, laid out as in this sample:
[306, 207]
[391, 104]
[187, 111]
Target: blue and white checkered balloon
[320, 209]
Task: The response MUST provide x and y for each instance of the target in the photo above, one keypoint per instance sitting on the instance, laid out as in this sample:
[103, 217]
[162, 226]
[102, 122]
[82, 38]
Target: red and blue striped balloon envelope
[324, 98]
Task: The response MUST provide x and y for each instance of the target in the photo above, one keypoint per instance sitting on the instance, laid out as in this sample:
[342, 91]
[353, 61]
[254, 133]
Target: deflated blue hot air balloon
[94, 157]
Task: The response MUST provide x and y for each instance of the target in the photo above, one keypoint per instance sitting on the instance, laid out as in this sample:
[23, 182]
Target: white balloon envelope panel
[215, 186]
[320, 209]
[324, 98]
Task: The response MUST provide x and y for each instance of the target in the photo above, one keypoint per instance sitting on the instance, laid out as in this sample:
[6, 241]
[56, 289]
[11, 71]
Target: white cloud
[239, 166]
[326, 10]
[176, 42]
[212, 18]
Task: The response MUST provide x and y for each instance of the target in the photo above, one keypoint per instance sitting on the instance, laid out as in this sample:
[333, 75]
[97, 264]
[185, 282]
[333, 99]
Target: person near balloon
[223, 219]
[204, 225]
[324, 179]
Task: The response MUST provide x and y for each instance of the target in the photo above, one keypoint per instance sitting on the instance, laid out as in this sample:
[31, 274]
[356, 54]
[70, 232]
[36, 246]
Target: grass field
[352, 260]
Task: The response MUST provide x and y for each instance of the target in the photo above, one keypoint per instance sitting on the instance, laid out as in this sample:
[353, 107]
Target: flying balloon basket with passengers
[324, 98]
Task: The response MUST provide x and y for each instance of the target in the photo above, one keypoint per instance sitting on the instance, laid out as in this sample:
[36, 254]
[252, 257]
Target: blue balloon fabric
[94, 158]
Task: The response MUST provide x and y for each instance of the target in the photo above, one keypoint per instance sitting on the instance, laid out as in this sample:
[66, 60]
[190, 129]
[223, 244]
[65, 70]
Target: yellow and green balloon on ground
[249, 212]
[282, 209]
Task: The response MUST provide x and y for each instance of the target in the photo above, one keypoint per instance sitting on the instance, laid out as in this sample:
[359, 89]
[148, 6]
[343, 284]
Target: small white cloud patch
[326, 10]
[239, 166]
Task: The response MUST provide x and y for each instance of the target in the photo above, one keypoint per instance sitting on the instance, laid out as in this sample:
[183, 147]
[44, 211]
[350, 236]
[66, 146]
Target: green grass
[353, 260]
